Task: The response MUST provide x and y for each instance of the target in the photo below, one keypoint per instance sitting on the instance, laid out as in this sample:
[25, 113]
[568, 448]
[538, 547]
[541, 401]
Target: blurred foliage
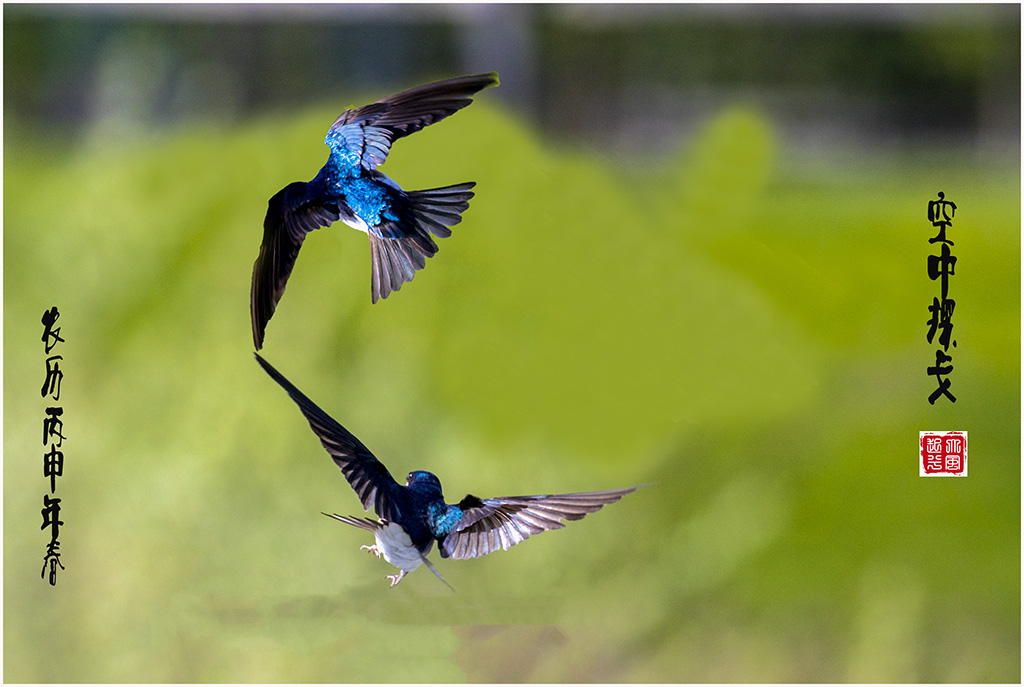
[933, 72]
[749, 338]
[619, 74]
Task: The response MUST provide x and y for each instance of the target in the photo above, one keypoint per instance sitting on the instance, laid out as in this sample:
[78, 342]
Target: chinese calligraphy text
[941, 267]
[53, 438]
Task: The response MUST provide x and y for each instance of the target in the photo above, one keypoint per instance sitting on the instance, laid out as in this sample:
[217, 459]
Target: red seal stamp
[943, 454]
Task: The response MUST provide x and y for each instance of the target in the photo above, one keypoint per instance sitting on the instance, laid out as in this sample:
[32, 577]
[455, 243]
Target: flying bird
[411, 518]
[349, 187]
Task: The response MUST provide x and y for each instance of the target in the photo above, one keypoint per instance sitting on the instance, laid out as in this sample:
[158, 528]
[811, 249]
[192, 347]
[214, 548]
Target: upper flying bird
[412, 517]
[350, 188]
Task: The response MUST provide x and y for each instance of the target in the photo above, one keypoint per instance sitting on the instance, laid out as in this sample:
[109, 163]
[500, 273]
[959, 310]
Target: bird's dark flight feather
[361, 523]
[291, 214]
[369, 478]
[489, 524]
[404, 113]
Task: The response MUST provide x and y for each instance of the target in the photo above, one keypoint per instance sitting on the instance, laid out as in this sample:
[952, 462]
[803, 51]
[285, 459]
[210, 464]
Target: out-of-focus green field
[750, 339]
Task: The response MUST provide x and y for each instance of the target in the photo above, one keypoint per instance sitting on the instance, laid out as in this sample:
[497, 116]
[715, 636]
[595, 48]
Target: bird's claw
[395, 579]
[372, 549]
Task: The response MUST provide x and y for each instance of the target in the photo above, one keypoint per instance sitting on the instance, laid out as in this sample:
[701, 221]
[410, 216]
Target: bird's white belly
[358, 224]
[397, 548]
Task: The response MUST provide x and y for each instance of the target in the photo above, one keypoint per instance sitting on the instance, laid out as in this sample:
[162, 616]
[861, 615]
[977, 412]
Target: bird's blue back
[431, 518]
[365, 192]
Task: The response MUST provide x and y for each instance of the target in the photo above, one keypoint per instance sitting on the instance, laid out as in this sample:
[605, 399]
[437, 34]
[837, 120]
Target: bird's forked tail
[399, 248]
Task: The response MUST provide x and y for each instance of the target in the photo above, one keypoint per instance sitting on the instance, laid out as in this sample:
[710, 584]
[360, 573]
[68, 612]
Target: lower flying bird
[412, 517]
[350, 188]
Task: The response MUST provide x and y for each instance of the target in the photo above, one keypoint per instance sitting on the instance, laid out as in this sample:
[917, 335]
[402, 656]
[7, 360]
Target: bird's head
[423, 480]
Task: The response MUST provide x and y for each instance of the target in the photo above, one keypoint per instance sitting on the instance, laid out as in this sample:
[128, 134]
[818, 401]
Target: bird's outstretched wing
[367, 132]
[489, 524]
[291, 214]
[369, 478]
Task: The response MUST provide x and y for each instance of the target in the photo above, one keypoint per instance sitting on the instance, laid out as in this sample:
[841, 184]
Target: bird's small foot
[372, 549]
[395, 579]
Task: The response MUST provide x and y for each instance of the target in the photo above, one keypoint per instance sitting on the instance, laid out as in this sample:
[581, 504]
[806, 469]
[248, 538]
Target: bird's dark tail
[402, 247]
[434, 570]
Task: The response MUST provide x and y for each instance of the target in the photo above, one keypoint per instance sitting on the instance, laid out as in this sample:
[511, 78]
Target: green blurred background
[696, 258]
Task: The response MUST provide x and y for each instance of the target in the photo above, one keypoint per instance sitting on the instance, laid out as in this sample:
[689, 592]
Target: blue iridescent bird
[411, 518]
[349, 187]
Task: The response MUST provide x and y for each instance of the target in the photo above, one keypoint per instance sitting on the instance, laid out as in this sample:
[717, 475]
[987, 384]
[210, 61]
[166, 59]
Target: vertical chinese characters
[53, 437]
[941, 267]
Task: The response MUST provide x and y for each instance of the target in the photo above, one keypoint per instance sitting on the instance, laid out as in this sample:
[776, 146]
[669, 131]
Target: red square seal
[943, 454]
